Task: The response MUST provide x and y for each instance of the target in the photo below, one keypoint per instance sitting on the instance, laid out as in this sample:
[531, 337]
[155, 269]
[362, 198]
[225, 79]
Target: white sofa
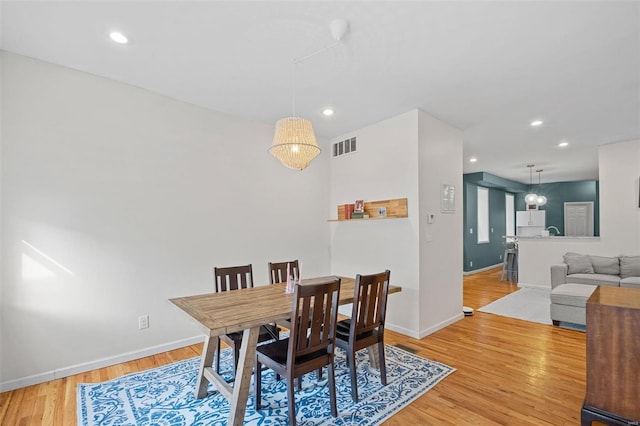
[573, 281]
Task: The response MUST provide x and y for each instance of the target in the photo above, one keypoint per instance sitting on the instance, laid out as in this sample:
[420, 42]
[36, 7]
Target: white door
[578, 219]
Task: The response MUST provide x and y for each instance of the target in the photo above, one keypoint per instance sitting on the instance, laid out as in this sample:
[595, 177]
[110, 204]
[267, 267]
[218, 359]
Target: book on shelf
[357, 215]
[348, 211]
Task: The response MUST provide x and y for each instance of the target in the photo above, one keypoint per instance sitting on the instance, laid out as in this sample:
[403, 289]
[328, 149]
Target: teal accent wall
[478, 256]
[560, 192]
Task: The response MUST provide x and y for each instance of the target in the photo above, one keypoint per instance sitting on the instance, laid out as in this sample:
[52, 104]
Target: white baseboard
[153, 350]
[424, 333]
[94, 365]
[475, 271]
[401, 330]
[536, 286]
[441, 325]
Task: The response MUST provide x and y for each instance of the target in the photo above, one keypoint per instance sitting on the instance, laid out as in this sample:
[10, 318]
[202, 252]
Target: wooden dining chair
[278, 271]
[366, 326]
[310, 344]
[234, 278]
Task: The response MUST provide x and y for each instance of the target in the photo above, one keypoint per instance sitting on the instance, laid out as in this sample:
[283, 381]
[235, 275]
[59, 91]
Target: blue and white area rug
[165, 395]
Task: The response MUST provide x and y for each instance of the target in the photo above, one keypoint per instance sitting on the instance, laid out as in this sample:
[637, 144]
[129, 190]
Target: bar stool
[509, 261]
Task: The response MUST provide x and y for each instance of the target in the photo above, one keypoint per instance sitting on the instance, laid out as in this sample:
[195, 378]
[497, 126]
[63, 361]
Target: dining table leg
[206, 361]
[244, 372]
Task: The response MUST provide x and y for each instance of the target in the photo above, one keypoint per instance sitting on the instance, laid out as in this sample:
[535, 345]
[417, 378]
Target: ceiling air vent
[344, 147]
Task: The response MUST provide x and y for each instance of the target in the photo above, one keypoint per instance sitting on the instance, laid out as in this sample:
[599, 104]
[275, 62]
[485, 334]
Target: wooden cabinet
[613, 357]
[394, 209]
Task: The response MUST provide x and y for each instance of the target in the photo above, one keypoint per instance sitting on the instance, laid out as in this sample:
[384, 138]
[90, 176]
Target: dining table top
[233, 311]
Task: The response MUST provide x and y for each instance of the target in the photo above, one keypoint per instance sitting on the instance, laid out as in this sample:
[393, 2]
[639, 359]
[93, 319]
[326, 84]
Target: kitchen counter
[537, 254]
[559, 238]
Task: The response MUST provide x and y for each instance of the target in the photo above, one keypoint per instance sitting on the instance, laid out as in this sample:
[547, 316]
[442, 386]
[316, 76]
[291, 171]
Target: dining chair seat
[342, 331]
[267, 332]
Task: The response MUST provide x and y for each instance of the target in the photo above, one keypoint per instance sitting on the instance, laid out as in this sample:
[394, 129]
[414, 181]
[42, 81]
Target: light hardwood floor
[509, 372]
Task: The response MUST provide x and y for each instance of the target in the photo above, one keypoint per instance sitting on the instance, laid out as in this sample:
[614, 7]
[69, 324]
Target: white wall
[619, 169]
[115, 199]
[619, 212]
[410, 155]
[385, 166]
[441, 241]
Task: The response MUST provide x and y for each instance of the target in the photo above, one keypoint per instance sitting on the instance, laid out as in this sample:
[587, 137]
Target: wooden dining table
[243, 310]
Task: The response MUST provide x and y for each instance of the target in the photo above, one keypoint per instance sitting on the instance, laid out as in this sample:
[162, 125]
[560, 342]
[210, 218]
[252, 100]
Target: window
[509, 210]
[483, 215]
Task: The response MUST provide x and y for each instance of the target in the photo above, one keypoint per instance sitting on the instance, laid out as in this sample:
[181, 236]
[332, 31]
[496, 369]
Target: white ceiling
[488, 68]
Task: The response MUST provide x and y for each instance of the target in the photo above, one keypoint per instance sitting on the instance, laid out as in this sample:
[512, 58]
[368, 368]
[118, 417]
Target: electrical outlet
[143, 322]
[471, 263]
[500, 257]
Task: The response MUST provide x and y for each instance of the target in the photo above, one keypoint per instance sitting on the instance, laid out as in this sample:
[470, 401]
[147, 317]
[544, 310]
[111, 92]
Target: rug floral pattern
[164, 396]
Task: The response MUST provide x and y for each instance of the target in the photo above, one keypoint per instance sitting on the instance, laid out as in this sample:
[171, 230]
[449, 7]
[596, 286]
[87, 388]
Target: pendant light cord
[300, 59]
[293, 86]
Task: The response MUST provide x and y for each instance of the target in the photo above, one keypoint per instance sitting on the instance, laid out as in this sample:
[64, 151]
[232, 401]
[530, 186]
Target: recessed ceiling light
[328, 112]
[536, 123]
[119, 37]
[563, 144]
[473, 159]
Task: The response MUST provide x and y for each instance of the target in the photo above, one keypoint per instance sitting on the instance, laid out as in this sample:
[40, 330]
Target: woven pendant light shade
[294, 143]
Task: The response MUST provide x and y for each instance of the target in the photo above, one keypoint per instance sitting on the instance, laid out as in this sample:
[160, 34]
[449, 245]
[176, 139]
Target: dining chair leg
[351, 358]
[332, 390]
[299, 383]
[236, 356]
[218, 357]
[258, 385]
[383, 364]
[292, 401]
[320, 373]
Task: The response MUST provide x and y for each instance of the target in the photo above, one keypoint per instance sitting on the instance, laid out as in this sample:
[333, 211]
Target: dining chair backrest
[233, 278]
[314, 317]
[278, 271]
[369, 303]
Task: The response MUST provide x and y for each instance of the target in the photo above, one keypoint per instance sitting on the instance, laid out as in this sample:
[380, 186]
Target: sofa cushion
[578, 263]
[594, 279]
[572, 294]
[605, 265]
[629, 266]
[633, 282]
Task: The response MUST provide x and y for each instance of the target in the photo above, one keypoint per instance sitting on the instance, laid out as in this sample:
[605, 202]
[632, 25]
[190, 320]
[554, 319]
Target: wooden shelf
[365, 219]
[396, 209]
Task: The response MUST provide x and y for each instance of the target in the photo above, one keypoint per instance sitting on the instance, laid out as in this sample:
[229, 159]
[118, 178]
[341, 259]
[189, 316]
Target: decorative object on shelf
[359, 206]
[294, 143]
[531, 197]
[382, 211]
[541, 200]
[357, 215]
[448, 204]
